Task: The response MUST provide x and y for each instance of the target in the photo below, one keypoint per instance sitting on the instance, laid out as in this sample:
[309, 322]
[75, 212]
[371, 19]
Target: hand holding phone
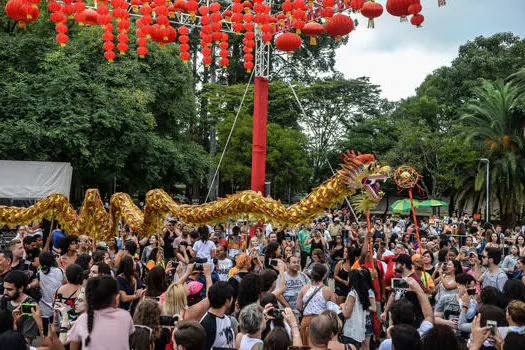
[494, 327]
[399, 283]
[27, 308]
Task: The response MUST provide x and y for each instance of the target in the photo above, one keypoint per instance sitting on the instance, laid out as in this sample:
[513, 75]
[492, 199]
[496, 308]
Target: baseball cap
[403, 259]
[195, 287]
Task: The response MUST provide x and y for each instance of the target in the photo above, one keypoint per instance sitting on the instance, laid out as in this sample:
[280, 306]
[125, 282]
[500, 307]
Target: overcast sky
[398, 56]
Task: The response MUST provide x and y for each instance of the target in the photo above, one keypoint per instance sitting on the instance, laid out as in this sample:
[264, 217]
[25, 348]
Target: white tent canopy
[34, 180]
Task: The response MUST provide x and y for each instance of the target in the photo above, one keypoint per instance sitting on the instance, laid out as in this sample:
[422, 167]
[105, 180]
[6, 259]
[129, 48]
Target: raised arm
[426, 308]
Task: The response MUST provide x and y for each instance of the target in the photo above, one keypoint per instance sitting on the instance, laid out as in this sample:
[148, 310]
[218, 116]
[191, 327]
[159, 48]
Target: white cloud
[397, 72]
[397, 56]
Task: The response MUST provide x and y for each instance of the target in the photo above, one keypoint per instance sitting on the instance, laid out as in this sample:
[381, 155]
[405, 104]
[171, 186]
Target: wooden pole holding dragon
[407, 178]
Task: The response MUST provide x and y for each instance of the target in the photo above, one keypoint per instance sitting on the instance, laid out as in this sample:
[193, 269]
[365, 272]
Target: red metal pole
[260, 116]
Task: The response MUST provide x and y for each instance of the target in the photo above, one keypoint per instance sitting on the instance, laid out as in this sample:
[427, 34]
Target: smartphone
[27, 308]
[471, 291]
[494, 327]
[399, 283]
[273, 262]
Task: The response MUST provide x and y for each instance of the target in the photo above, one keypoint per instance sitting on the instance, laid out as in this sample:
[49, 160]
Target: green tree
[490, 58]
[286, 161]
[331, 108]
[495, 124]
[128, 120]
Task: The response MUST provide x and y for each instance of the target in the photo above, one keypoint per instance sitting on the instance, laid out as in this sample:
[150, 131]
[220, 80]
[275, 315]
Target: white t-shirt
[423, 328]
[203, 250]
[354, 326]
[223, 267]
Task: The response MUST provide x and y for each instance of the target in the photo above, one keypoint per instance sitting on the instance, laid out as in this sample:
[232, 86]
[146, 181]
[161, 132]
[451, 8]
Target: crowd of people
[332, 284]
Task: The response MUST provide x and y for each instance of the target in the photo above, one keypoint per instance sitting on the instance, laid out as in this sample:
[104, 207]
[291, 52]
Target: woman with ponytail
[104, 325]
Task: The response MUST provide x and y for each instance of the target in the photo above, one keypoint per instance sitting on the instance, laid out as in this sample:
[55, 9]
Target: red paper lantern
[327, 12]
[312, 30]
[417, 20]
[249, 65]
[371, 10]
[185, 56]
[339, 25]
[62, 39]
[356, 5]
[415, 8]
[21, 11]
[215, 7]
[287, 7]
[224, 62]
[110, 56]
[288, 42]
[142, 51]
[163, 35]
[267, 38]
[90, 17]
[192, 6]
[207, 60]
[398, 8]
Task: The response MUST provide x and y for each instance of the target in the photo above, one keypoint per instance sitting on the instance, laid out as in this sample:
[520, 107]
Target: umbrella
[403, 206]
[432, 203]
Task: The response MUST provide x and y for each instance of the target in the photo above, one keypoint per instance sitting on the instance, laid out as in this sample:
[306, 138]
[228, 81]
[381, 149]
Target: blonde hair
[176, 301]
[516, 310]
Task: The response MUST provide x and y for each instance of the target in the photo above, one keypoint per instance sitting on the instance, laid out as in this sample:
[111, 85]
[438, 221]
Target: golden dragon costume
[358, 172]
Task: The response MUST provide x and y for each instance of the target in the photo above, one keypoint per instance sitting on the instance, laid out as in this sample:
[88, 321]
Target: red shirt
[390, 269]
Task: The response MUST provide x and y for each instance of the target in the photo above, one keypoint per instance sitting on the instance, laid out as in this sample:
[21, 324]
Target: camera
[169, 321]
[471, 291]
[27, 308]
[277, 313]
[198, 263]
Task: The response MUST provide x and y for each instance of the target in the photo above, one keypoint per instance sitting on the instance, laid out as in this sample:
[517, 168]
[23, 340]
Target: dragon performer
[359, 172]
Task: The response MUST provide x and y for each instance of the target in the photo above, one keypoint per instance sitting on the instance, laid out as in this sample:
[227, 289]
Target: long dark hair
[65, 242]
[458, 268]
[47, 261]
[516, 241]
[204, 232]
[271, 248]
[153, 254]
[100, 294]
[156, 282]
[360, 284]
[125, 267]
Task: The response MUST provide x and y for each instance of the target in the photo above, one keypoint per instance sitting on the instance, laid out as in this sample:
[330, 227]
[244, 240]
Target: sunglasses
[484, 257]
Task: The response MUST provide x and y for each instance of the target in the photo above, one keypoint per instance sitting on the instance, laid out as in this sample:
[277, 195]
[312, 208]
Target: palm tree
[495, 123]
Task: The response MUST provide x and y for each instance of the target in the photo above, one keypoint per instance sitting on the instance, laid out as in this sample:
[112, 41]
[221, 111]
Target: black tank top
[316, 245]
[343, 289]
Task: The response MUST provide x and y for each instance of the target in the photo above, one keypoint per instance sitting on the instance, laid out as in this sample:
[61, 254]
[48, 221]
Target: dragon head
[361, 171]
